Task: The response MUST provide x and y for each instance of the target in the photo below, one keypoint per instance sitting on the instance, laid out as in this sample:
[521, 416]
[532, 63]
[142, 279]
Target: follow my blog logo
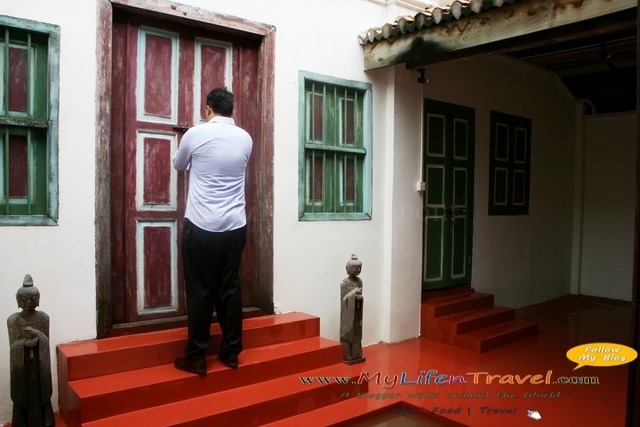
[601, 354]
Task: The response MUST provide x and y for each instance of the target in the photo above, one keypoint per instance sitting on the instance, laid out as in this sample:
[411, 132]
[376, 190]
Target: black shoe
[193, 364]
[229, 360]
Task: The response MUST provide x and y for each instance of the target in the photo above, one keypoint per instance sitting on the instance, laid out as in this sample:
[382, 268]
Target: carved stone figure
[351, 309]
[30, 362]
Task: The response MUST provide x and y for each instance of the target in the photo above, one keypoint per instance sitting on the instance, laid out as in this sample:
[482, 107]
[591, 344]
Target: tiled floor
[564, 323]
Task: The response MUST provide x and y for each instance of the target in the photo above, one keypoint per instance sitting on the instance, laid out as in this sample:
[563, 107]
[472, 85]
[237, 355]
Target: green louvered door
[448, 202]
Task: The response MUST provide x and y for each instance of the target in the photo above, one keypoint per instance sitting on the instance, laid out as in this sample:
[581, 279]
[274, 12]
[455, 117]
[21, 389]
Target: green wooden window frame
[509, 164]
[335, 144]
[28, 122]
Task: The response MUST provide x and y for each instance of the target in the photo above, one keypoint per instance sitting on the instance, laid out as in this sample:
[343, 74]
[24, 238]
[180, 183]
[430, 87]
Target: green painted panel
[436, 135]
[458, 253]
[40, 105]
[435, 186]
[39, 173]
[509, 165]
[460, 187]
[434, 237]
[461, 139]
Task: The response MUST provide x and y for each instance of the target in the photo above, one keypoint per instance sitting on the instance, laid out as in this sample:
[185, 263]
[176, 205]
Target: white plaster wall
[309, 257]
[60, 258]
[321, 249]
[523, 260]
[609, 206]
[405, 207]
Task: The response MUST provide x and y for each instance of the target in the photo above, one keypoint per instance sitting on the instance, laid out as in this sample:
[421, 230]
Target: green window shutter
[335, 123]
[28, 122]
[24, 180]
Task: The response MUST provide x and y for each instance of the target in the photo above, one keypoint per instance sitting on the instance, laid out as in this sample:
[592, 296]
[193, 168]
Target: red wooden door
[161, 76]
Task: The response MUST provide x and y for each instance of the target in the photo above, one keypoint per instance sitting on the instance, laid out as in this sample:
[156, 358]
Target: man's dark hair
[221, 101]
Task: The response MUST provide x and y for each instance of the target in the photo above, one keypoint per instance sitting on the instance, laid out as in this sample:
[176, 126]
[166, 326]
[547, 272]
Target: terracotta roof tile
[430, 16]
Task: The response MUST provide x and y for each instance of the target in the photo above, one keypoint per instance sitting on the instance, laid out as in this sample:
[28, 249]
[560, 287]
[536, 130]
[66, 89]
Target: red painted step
[112, 394]
[255, 404]
[490, 337]
[116, 377]
[445, 305]
[368, 412]
[456, 303]
[470, 320]
[120, 354]
[345, 411]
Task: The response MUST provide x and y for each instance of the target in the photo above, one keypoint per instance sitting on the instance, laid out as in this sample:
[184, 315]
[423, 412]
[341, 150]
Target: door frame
[262, 154]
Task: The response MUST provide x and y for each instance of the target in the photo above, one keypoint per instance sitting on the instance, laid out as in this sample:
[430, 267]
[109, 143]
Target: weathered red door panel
[161, 76]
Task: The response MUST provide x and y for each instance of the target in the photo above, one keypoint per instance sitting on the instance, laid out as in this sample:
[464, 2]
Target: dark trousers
[211, 263]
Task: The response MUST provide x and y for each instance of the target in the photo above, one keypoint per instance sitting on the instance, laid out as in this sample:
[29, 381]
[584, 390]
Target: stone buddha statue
[351, 309]
[30, 361]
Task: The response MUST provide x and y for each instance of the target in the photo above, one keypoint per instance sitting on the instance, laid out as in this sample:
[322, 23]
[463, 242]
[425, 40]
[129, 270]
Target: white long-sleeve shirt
[216, 155]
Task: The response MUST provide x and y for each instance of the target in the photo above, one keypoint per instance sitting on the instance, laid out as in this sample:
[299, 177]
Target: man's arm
[182, 157]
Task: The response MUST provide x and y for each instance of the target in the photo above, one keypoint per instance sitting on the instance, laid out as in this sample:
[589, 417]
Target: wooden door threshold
[442, 292]
[144, 326]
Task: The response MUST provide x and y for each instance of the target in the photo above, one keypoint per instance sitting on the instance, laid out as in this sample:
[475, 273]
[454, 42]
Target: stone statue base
[352, 353]
[354, 361]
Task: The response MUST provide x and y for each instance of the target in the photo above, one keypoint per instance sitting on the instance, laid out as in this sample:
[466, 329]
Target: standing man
[215, 228]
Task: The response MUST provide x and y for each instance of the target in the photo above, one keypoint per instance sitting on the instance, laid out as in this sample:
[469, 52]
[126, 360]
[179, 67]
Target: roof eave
[478, 32]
